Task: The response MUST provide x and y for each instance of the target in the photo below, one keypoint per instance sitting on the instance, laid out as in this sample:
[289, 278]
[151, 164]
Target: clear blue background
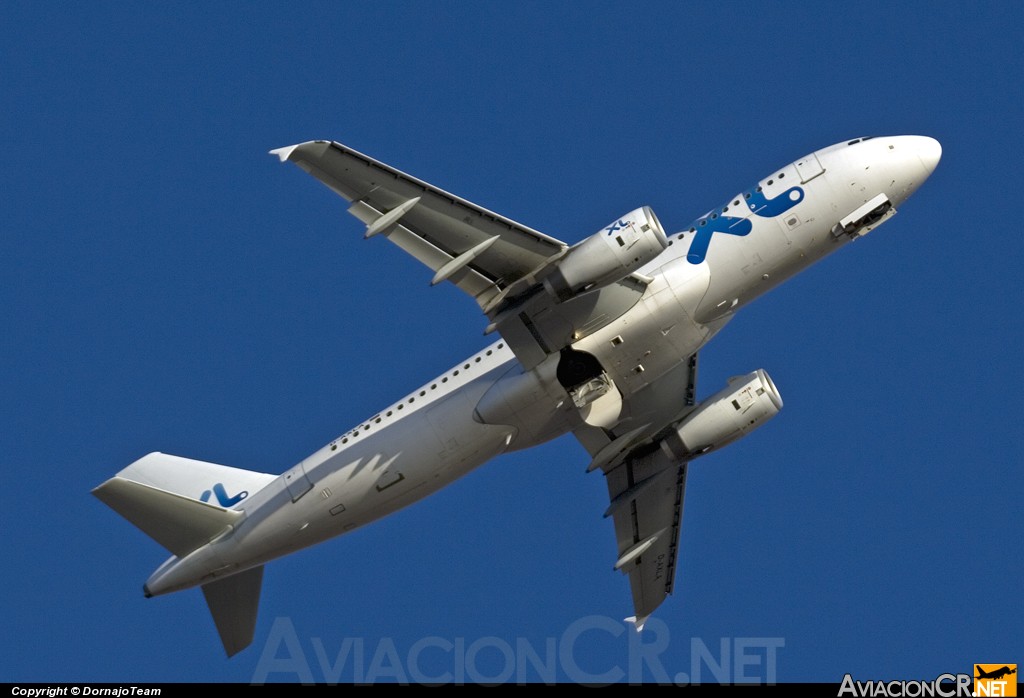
[167, 285]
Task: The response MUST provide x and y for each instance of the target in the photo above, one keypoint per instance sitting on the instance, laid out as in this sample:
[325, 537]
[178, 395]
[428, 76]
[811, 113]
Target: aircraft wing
[646, 489]
[437, 228]
[498, 262]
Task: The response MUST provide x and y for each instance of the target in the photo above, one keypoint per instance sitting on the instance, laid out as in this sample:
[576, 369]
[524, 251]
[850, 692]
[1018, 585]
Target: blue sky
[167, 285]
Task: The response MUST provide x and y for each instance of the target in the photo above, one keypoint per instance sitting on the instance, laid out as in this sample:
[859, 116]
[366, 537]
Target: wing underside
[500, 263]
[480, 251]
[647, 528]
[646, 489]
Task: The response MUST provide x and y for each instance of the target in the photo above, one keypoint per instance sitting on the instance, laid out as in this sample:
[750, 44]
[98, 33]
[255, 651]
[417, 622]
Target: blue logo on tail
[222, 496]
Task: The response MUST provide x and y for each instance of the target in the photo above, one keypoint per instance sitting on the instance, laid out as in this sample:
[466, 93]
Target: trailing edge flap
[233, 603]
[178, 523]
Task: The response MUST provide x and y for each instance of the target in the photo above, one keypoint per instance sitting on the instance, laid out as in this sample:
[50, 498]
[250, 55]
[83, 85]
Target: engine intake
[745, 404]
[609, 255]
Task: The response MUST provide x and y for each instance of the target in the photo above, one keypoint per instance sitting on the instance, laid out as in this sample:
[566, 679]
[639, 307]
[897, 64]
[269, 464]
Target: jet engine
[743, 405]
[609, 255]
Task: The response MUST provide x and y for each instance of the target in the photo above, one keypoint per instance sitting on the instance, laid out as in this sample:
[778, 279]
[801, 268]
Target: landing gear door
[297, 481]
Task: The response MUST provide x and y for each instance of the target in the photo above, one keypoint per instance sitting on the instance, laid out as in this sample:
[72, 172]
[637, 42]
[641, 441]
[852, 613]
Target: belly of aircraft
[376, 475]
[658, 334]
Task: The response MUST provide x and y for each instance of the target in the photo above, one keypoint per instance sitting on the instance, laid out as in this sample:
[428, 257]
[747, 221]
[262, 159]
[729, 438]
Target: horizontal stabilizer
[178, 523]
[233, 602]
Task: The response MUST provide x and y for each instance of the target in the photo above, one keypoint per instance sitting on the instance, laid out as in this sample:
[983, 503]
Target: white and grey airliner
[598, 339]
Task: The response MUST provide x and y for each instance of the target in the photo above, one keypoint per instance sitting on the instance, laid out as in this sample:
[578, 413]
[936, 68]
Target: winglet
[284, 153]
[638, 623]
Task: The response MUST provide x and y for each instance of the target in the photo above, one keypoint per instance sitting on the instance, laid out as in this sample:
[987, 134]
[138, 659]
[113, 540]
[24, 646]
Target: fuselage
[488, 404]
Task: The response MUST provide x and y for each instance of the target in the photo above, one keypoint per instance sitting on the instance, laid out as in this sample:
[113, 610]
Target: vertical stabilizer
[220, 485]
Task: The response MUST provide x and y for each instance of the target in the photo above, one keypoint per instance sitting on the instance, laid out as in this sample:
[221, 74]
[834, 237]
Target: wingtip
[638, 623]
[284, 153]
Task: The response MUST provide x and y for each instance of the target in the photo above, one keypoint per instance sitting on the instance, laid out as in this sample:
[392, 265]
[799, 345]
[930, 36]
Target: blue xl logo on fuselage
[760, 205]
[222, 496]
[617, 226]
[708, 227]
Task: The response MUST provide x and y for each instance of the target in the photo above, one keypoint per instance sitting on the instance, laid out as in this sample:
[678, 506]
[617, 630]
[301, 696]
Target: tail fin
[182, 504]
[233, 602]
[166, 496]
[196, 479]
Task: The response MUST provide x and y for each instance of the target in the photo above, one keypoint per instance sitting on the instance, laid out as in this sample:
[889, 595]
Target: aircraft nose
[929, 151]
[910, 161]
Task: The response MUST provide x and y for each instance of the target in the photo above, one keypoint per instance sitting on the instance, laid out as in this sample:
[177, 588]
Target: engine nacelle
[745, 404]
[609, 255]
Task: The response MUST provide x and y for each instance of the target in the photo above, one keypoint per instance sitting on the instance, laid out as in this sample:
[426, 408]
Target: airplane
[996, 674]
[599, 339]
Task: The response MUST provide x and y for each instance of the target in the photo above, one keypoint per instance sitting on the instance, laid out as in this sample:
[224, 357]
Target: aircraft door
[809, 168]
[297, 481]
